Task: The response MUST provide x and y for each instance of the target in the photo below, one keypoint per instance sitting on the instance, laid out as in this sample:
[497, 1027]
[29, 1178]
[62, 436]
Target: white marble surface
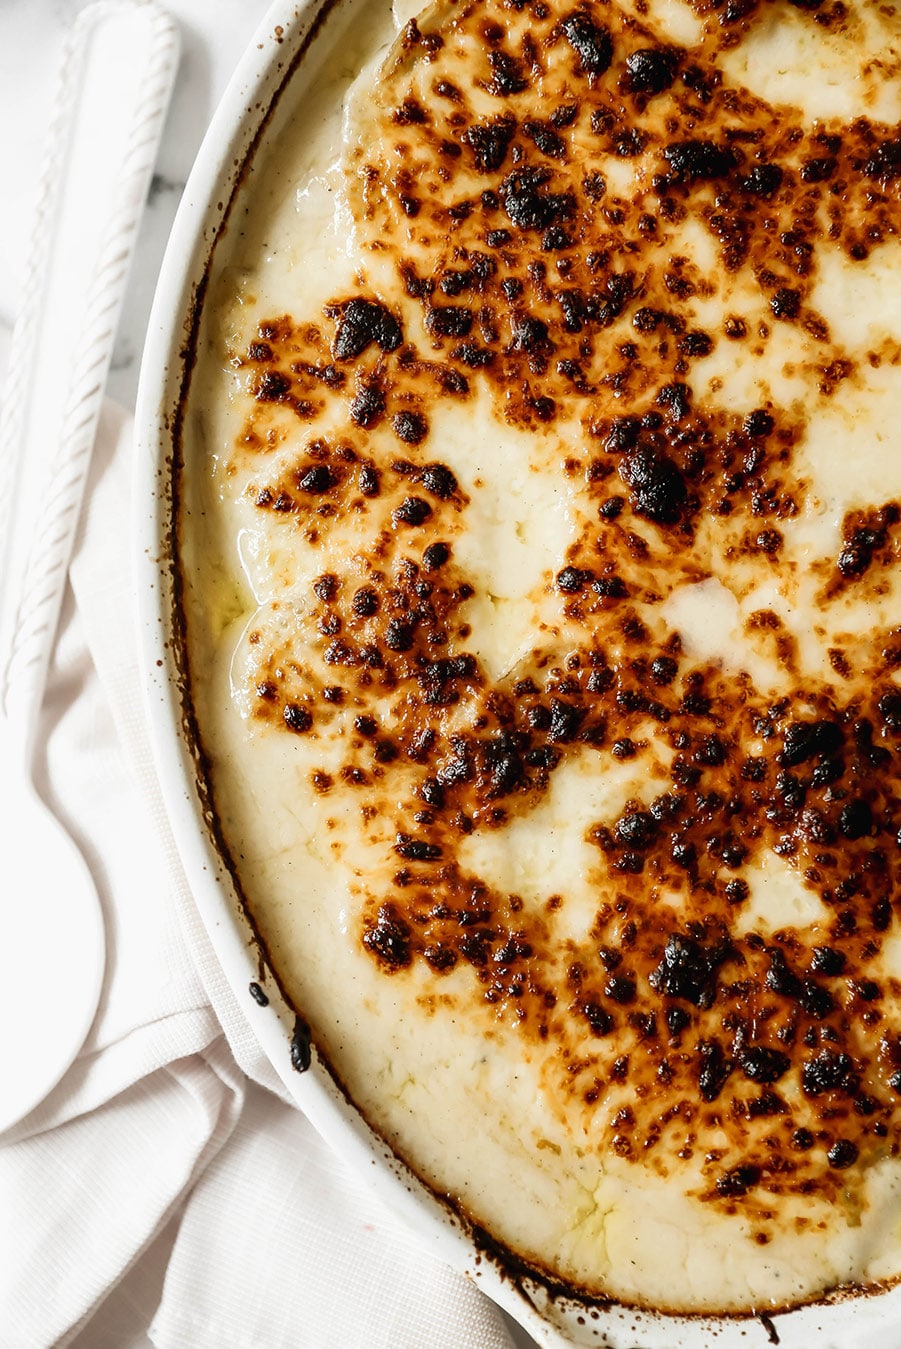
[32, 32]
[213, 35]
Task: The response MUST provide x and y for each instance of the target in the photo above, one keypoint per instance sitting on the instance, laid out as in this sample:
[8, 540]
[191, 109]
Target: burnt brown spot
[360, 323]
[698, 160]
[651, 70]
[490, 141]
[389, 938]
[296, 718]
[657, 487]
[410, 427]
[592, 43]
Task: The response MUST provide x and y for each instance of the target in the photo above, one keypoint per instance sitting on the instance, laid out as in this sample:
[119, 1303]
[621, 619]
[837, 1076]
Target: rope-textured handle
[37, 611]
[27, 324]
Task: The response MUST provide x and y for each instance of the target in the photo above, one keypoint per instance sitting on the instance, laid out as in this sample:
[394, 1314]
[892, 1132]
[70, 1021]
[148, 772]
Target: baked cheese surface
[540, 525]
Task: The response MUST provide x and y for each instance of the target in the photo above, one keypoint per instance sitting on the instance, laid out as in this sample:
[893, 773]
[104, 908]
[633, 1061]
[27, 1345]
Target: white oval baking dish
[285, 49]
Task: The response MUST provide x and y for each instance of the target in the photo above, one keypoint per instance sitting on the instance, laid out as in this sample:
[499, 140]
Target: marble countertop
[32, 33]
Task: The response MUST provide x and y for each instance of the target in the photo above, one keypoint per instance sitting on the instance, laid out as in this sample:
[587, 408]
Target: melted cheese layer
[539, 537]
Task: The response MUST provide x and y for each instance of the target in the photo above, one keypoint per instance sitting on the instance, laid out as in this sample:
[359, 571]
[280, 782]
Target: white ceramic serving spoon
[115, 82]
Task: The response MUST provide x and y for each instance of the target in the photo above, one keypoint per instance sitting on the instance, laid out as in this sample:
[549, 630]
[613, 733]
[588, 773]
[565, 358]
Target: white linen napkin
[166, 1193]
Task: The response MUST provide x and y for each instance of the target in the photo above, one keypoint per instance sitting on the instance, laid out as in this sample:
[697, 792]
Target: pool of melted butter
[540, 524]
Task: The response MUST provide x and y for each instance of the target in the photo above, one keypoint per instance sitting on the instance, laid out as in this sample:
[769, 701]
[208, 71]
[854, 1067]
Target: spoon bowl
[52, 957]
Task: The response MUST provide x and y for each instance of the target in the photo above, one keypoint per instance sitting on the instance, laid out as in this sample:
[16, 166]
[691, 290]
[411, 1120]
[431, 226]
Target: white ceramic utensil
[116, 78]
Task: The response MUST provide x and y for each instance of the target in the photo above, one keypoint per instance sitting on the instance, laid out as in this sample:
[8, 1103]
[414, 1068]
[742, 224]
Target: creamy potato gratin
[540, 533]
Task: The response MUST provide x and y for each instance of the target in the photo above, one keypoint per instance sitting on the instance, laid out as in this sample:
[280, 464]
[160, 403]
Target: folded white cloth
[166, 1193]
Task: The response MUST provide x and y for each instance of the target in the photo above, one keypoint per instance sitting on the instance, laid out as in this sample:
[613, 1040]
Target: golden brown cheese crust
[504, 258]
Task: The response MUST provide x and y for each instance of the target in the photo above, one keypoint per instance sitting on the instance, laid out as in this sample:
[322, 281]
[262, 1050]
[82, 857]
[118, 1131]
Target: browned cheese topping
[505, 262]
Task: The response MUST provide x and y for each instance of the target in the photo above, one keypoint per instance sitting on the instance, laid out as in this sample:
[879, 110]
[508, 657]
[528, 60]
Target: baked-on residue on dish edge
[542, 590]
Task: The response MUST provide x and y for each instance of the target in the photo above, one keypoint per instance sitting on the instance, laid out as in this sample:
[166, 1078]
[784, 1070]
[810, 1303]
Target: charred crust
[410, 427]
[359, 323]
[651, 70]
[490, 141]
[531, 279]
[592, 43]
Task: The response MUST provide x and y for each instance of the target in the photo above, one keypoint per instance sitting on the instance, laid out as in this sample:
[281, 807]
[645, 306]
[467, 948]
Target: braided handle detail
[44, 577]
